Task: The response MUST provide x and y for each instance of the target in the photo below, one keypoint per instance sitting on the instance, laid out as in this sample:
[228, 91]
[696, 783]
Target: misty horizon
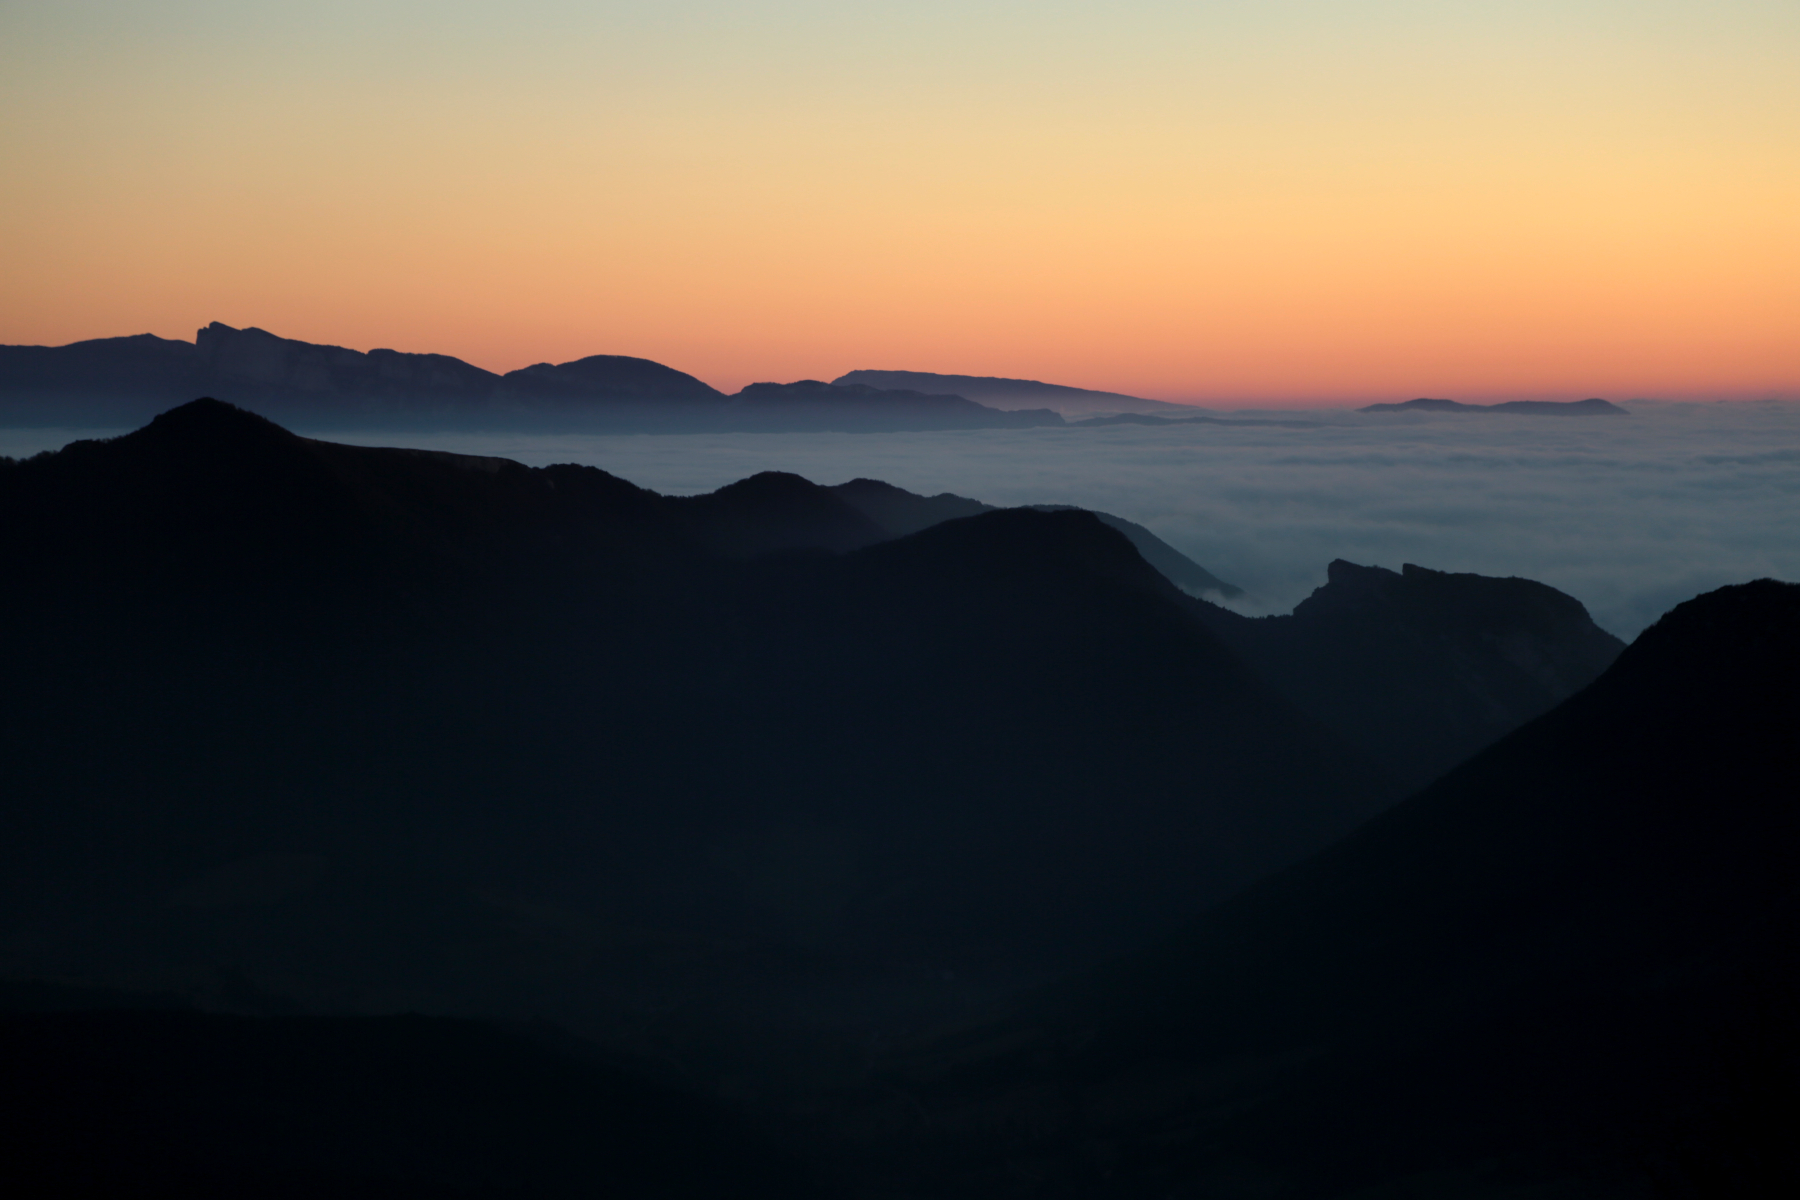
[1629, 517]
[1198, 396]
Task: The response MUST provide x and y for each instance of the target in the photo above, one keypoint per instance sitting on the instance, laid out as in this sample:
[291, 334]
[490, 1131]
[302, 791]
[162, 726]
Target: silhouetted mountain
[1593, 407]
[1152, 419]
[747, 784]
[1176, 567]
[854, 408]
[104, 382]
[137, 1100]
[901, 512]
[126, 381]
[1566, 968]
[1420, 668]
[255, 366]
[303, 727]
[1012, 393]
[775, 511]
[610, 377]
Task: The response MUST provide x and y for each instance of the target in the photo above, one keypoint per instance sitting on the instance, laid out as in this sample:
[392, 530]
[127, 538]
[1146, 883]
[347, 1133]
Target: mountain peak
[210, 419]
[1343, 571]
[1745, 633]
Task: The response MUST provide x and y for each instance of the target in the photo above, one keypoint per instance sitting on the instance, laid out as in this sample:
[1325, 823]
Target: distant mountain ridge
[1154, 419]
[1016, 393]
[851, 408]
[1592, 407]
[113, 382]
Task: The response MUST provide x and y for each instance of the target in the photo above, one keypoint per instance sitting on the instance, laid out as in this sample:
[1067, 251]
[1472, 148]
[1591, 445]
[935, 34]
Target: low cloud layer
[1629, 515]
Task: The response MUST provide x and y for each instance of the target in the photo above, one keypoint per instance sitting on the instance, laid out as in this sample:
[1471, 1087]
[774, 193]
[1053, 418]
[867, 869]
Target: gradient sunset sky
[1230, 203]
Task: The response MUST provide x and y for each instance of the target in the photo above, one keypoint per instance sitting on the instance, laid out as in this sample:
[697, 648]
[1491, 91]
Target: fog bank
[1628, 515]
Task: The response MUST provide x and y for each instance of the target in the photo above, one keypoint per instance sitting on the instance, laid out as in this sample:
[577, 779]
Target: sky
[1235, 203]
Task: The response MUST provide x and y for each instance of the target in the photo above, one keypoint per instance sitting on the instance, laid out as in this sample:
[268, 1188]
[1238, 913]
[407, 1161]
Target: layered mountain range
[757, 785]
[121, 382]
[848, 723]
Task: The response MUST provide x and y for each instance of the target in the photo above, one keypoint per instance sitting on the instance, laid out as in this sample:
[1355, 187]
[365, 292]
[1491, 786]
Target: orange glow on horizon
[1415, 213]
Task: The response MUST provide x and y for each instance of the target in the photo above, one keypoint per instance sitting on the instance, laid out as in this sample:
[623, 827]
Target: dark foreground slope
[1566, 969]
[292, 726]
[104, 1096]
[1422, 668]
[1418, 669]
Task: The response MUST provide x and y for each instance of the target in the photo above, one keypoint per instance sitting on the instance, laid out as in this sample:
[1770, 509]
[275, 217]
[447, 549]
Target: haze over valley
[1631, 516]
[1631, 505]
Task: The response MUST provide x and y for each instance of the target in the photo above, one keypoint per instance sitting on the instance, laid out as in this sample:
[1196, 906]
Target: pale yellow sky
[1227, 202]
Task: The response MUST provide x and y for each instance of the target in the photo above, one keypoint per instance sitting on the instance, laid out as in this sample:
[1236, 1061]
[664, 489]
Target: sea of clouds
[1631, 515]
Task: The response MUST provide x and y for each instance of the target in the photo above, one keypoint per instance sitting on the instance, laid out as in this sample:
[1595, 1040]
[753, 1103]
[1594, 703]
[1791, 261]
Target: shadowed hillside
[1422, 668]
[901, 512]
[1566, 968]
[309, 727]
[748, 786]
